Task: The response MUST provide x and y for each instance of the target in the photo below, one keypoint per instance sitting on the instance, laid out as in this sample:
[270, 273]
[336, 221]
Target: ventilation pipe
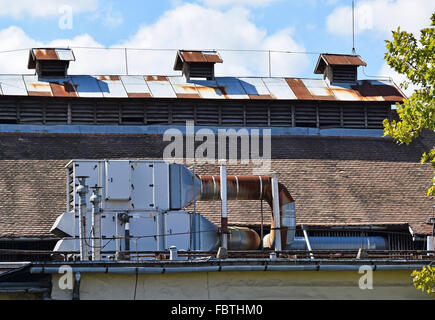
[224, 217]
[256, 188]
[96, 224]
[82, 190]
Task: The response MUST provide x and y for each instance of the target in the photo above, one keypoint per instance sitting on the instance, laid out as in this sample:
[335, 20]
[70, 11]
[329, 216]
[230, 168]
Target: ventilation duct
[256, 188]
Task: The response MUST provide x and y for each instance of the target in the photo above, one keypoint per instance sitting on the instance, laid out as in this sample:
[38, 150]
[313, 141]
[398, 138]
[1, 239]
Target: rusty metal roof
[57, 54]
[107, 86]
[337, 60]
[196, 57]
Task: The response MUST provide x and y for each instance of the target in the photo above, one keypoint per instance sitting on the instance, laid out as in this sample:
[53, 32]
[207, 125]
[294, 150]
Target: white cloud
[43, 8]
[192, 26]
[108, 15]
[382, 16]
[244, 3]
[189, 26]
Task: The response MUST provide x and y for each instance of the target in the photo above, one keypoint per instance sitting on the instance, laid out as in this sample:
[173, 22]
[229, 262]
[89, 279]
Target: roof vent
[339, 67]
[50, 63]
[197, 64]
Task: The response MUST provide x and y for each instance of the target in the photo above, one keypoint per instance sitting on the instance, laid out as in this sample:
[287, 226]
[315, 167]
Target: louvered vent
[339, 68]
[197, 64]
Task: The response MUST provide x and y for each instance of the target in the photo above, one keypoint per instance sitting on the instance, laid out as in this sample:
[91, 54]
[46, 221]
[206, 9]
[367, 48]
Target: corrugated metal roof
[178, 87]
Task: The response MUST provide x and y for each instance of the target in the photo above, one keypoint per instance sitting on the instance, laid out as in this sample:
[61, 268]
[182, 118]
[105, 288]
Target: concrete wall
[244, 285]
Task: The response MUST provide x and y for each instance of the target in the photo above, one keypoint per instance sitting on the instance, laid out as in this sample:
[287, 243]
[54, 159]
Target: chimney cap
[196, 56]
[326, 59]
[49, 54]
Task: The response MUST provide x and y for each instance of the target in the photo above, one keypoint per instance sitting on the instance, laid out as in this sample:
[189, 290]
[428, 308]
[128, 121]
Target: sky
[306, 28]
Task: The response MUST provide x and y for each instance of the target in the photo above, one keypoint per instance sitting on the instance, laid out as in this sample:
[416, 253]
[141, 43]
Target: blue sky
[307, 26]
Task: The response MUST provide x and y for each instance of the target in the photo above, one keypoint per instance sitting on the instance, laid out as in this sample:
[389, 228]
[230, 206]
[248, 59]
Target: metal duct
[242, 238]
[255, 188]
[340, 243]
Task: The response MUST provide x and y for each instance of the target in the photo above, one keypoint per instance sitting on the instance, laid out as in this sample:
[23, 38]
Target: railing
[155, 61]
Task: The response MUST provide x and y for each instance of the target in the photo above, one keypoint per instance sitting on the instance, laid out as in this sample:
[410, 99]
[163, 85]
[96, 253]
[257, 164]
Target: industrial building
[84, 185]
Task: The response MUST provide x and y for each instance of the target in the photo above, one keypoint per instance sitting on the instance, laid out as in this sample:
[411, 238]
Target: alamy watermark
[66, 281]
[366, 280]
[255, 146]
[66, 18]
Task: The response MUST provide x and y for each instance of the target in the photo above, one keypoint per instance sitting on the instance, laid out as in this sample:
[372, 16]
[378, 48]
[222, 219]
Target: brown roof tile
[334, 180]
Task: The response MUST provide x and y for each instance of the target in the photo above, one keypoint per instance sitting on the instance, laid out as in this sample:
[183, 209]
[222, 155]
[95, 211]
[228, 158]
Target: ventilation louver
[197, 64]
[339, 68]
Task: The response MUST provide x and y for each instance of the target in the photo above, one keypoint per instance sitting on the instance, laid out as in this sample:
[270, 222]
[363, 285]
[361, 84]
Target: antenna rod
[353, 26]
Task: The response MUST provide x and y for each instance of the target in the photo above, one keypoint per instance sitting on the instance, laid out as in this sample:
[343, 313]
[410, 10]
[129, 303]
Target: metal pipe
[224, 217]
[255, 188]
[96, 224]
[242, 238]
[226, 268]
[340, 243]
[307, 241]
[276, 211]
[82, 190]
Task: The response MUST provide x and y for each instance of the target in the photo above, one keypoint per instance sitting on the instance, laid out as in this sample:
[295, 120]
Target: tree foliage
[415, 59]
[424, 280]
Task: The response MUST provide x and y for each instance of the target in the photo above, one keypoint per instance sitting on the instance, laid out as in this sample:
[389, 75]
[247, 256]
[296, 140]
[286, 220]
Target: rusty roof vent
[197, 64]
[50, 63]
[339, 67]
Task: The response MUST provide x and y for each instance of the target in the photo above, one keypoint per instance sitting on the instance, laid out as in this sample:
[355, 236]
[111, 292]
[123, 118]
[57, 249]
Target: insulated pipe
[224, 217]
[96, 224]
[82, 190]
[255, 188]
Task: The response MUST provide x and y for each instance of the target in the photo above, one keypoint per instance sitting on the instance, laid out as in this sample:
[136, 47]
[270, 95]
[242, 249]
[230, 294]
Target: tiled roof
[334, 180]
[115, 86]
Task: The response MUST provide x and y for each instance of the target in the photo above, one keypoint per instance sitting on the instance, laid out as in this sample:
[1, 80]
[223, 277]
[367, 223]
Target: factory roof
[161, 86]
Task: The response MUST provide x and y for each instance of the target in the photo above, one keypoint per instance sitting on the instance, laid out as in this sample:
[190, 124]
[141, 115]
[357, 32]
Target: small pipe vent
[50, 63]
[197, 64]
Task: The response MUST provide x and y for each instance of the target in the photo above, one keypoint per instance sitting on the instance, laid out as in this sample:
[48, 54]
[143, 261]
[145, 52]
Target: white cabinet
[118, 180]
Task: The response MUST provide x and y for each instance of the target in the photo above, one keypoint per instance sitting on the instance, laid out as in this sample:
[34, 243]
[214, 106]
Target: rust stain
[39, 86]
[193, 56]
[111, 78]
[188, 95]
[343, 60]
[63, 90]
[299, 89]
[355, 94]
[220, 90]
[39, 93]
[157, 78]
[139, 95]
[46, 54]
[223, 91]
[213, 58]
[260, 96]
